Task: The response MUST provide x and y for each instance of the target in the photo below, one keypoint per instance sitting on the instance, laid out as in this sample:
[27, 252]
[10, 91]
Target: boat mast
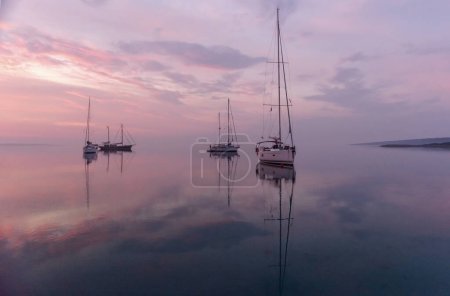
[229, 121]
[279, 84]
[107, 127]
[88, 118]
[234, 126]
[219, 128]
[121, 132]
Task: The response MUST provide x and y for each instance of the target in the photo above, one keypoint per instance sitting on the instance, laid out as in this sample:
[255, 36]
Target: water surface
[350, 220]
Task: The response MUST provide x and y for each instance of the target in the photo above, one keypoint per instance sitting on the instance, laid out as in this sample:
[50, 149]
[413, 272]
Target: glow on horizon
[349, 62]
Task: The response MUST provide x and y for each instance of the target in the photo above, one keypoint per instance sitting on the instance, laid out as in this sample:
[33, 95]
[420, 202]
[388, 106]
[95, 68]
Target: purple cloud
[348, 89]
[94, 2]
[358, 57]
[222, 57]
[427, 50]
[154, 66]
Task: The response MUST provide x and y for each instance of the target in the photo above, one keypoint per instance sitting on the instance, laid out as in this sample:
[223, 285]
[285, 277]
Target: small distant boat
[223, 154]
[120, 146]
[90, 147]
[273, 150]
[231, 144]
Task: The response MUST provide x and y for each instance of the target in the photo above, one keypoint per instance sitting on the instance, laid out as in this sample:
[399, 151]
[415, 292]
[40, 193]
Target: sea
[344, 220]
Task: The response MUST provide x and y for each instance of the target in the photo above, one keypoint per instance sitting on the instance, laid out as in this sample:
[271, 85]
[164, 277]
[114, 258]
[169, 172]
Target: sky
[357, 70]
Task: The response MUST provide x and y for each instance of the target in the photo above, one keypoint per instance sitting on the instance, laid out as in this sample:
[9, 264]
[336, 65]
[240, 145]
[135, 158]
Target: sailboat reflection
[275, 173]
[283, 178]
[115, 153]
[229, 176]
[89, 158]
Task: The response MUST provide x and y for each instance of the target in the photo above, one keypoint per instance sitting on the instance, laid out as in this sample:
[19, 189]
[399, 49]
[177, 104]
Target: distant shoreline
[26, 144]
[445, 145]
[442, 143]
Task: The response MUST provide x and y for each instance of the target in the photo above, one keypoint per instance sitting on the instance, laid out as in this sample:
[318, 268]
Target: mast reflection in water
[228, 174]
[149, 231]
[92, 157]
[280, 211]
[88, 159]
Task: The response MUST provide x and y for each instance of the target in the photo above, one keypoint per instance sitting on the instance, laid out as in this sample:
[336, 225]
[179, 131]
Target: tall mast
[279, 84]
[229, 121]
[88, 118]
[219, 128]
[234, 136]
[107, 127]
[121, 132]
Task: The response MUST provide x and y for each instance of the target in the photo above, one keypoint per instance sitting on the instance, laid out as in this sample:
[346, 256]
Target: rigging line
[270, 124]
[86, 172]
[278, 72]
[228, 124]
[264, 97]
[228, 182]
[263, 122]
[287, 235]
[131, 137]
[272, 89]
[128, 158]
[276, 105]
[116, 136]
[285, 90]
[85, 138]
[268, 85]
[290, 80]
[86, 131]
[234, 169]
[280, 241]
[234, 127]
[289, 88]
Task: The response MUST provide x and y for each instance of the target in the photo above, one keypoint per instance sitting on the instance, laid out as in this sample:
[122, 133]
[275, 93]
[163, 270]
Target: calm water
[350, 220]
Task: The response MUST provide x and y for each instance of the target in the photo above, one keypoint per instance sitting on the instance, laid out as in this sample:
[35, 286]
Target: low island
[445, 145]
[442, 143]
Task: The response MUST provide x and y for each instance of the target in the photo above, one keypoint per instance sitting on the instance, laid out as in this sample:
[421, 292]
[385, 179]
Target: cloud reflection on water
[365, 221]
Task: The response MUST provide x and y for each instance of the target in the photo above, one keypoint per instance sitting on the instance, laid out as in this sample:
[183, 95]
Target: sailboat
[120, 146]
[89, 147]
[231, 145]
[273, 150]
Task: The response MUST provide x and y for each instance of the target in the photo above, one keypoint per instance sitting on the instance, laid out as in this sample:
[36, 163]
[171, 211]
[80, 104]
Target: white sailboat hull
[277, 156]
[90, 149]
[223, 148]
[230, 146]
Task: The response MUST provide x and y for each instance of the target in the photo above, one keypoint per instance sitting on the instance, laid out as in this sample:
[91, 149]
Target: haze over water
[364, 221]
